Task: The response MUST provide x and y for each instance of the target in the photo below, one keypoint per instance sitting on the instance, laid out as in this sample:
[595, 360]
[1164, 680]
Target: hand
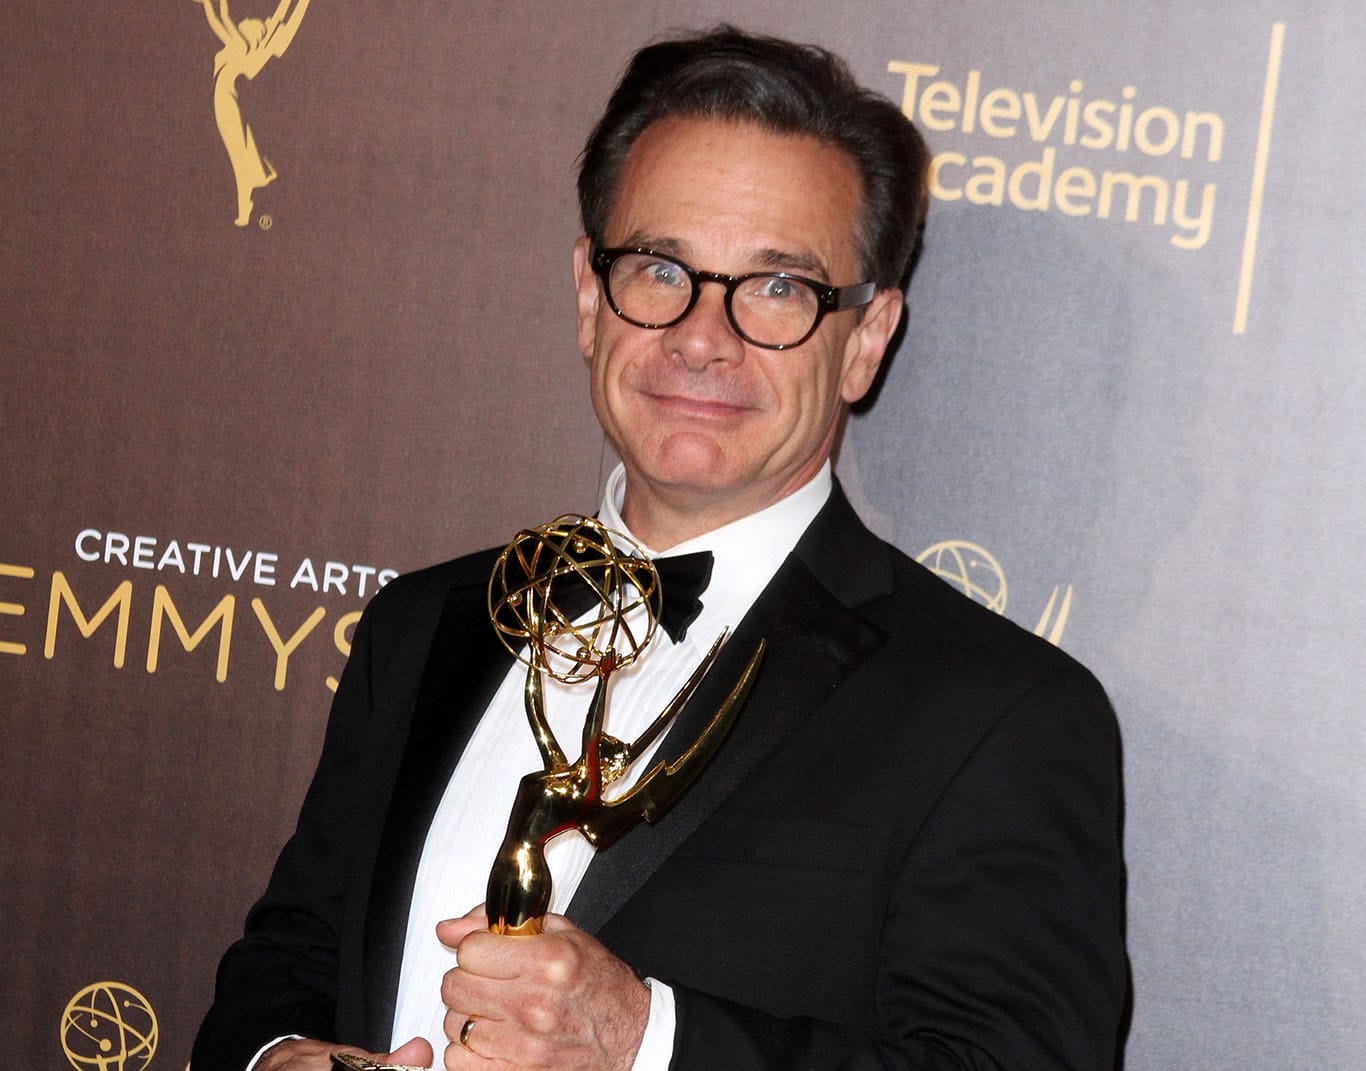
[304, 1054]
[558, 1000]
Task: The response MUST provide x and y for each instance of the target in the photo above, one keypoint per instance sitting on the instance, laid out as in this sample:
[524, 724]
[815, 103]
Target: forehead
[739, 197]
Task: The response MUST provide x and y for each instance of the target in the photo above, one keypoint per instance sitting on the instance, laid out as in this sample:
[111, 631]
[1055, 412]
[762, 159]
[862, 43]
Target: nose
[705, 335]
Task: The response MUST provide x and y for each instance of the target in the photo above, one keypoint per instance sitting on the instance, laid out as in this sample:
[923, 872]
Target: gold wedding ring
[465, 1031]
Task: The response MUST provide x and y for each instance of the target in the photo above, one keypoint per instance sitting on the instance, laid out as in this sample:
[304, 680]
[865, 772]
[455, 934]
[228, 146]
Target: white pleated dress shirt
[471, 819]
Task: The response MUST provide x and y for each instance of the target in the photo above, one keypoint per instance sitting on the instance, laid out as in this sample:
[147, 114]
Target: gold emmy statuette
[532, 592]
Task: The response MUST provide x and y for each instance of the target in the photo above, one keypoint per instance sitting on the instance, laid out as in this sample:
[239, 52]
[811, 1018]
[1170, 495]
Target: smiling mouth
[691, 405]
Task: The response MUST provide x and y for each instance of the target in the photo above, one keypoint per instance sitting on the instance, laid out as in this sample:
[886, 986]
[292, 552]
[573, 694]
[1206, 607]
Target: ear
[866, 345]
[587, 295]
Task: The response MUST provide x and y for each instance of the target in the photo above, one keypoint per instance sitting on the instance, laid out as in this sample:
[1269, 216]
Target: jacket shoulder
[969, 624]
[429, 587]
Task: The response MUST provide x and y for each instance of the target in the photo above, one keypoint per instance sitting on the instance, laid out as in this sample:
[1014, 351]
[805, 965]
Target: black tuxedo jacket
[906, 855]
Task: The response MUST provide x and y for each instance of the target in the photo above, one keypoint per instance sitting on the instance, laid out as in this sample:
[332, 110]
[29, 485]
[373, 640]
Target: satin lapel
[464, 669]
[814, 641]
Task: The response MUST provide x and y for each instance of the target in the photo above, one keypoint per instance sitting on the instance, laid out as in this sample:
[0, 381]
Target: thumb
[416, 1052]
[451, 932]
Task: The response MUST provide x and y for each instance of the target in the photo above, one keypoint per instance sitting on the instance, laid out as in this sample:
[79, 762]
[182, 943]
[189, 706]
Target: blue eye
[776, 289]
[664, 273]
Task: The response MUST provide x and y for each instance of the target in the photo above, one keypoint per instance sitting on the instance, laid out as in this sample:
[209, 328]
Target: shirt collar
[746, 552]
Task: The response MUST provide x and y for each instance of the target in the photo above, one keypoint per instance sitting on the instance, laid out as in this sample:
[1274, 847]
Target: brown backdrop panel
[222, 435]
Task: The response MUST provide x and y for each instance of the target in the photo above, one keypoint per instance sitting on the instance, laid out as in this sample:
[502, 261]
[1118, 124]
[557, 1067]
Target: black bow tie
[682, 579]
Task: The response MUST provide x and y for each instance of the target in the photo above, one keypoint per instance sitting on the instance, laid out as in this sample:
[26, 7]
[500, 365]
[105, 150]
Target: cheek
[603, 392]
[810, 391]
[610, 373]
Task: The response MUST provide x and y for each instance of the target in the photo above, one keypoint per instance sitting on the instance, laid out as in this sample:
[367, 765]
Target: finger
[559, 924]
[460, 1053]
[416, 1052]
[493, 955]
[489, 1044]
[464, 991]
[452, 931]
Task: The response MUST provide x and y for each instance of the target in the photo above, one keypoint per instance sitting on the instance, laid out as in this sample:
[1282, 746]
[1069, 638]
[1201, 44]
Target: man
[906, 853]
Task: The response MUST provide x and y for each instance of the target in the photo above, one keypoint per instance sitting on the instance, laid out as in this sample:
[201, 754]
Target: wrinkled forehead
[715, 187]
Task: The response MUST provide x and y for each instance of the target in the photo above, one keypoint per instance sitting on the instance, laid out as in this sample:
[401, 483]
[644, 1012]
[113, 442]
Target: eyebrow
[767, 259]
[803, 263]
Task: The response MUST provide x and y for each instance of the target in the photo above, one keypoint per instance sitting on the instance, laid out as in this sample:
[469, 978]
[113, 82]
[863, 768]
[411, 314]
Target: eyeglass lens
[768, 309]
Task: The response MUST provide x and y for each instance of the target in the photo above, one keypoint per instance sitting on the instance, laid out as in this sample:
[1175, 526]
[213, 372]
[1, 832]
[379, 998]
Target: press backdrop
[1127, 412]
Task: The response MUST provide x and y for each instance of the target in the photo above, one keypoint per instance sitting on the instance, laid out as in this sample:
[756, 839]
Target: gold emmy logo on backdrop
[978, 575]
[248, 45]
[109, 1026]
[537, 584]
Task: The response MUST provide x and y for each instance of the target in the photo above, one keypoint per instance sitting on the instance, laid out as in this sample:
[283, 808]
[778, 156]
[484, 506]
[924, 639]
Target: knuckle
[450, 987]
[563, 964]
[541, 1016]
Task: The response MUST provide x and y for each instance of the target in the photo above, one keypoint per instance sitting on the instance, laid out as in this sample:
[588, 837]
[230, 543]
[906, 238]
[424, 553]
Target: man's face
[710, 427]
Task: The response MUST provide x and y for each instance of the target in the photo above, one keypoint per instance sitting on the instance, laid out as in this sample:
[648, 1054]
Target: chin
[688, 459]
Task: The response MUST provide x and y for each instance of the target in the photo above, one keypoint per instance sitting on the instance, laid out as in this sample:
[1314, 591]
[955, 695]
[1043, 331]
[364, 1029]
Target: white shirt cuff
[251, 1065]
[657, 1046]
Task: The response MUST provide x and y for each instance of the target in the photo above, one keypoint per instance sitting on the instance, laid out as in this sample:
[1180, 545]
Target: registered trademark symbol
[265, 222]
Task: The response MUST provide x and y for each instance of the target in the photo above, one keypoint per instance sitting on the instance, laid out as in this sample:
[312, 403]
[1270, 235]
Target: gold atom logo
[969, 568]
[109, 1026]
[536, 586]
[978, 575]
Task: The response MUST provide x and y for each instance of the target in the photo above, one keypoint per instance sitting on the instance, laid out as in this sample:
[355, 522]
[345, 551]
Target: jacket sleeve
[281, 977]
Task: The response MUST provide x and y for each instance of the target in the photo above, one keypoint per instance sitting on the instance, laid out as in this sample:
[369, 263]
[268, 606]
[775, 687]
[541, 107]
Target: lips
[695, 405]
[701, 395]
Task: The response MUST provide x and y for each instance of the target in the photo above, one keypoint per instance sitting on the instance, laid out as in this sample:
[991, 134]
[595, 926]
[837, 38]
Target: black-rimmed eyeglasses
[771, 309]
